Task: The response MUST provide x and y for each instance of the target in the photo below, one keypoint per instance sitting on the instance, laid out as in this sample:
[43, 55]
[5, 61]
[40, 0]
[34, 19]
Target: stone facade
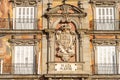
[57, 39]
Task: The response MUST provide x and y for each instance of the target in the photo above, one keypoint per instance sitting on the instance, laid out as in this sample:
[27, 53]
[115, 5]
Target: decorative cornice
[104, 2]
[23, 41]
[25, 2]
[102, 42]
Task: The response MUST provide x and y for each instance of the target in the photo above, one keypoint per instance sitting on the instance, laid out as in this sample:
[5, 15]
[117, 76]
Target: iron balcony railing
[19, 23]
[104, 68]
[106, 24]
[18, 68]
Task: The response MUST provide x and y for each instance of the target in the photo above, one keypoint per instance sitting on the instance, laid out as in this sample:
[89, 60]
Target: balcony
[106, 24]
[103, 27]
[104, 68]
[19, 26]
[18, 68]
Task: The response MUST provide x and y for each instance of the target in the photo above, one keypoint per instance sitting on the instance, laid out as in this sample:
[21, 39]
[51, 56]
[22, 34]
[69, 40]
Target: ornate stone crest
[65, 40]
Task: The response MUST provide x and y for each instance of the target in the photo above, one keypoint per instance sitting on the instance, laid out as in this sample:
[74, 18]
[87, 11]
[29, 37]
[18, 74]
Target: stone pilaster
[44, 55]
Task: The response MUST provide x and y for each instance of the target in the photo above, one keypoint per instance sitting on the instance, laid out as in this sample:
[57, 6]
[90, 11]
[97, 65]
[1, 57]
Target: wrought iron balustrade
[18, 68]
[104, 68]
[19, 23]
[106, 24]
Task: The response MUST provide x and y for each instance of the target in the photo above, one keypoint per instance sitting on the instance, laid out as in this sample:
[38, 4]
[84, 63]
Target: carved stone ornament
[65, 40]
[66, 10]
[104, 2]
[25, 2]
[23, 41]
[104, 42]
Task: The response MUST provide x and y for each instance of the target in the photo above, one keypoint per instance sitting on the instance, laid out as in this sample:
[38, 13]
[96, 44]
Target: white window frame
[105, 56]
[24, 18]
[21, 59]
[1, 66]
[105, 18]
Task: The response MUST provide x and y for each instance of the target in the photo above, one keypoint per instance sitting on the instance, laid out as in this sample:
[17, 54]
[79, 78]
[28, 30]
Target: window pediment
[102, 42]
[66, 9]
[104, 2]
[23, 41]
[25, 2]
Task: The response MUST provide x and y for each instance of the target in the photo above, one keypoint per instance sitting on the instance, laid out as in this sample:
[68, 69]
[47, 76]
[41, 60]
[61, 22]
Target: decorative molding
[64, 10]
[104, 2]
[23, 41]
[102, 42]
[25, 2]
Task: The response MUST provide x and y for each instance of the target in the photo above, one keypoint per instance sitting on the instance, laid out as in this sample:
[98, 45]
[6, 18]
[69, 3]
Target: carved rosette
[65, 41]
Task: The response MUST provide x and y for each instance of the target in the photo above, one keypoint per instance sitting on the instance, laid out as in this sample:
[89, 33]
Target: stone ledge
[19, 76]
[110, 76]
[66, 75]
[103, 32]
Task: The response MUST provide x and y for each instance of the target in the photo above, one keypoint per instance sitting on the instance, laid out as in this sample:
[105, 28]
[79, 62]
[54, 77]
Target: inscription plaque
[65, 67]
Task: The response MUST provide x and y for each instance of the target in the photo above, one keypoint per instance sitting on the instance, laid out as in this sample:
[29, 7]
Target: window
[106, 60]
[1, 66]
[24, 18]
[105, 18]
[23, 59]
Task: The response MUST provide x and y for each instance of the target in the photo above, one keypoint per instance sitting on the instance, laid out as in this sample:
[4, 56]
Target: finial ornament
[64, 1]
[79, 4]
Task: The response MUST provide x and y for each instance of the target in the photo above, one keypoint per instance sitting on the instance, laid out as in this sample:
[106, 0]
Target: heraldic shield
[65, 40]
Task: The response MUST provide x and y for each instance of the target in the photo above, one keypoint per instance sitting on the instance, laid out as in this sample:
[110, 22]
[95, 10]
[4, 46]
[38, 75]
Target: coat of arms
[65, 40]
